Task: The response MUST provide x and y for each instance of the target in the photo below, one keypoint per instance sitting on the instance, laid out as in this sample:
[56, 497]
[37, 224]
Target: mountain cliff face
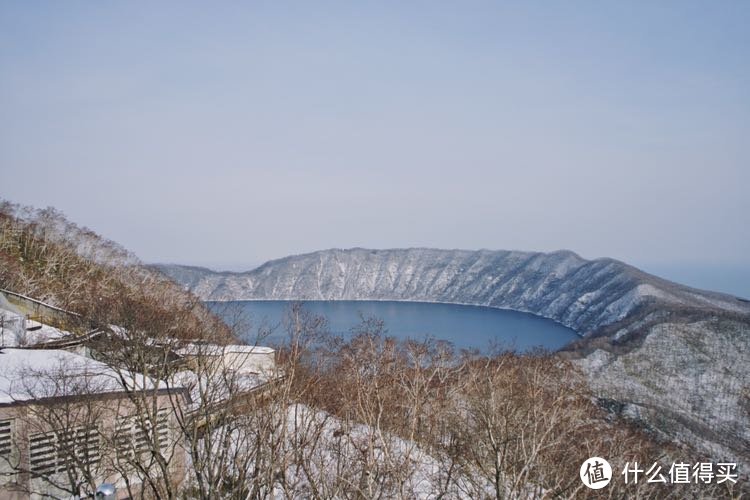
[673, 358]
[581, 294]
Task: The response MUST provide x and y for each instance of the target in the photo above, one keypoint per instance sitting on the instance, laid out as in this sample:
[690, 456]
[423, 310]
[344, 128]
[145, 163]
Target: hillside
[674, 358]
[47, 257]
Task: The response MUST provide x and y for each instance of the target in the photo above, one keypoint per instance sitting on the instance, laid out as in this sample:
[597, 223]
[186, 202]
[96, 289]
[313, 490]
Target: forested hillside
[45, 256]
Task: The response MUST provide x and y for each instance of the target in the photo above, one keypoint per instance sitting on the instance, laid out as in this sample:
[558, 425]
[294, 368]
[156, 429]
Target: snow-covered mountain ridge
[581, 294]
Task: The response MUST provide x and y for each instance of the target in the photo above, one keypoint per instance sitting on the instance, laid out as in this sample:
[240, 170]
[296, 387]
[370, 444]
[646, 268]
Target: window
[53, 452]
[135, 435]
[8, 452]
[6, 438]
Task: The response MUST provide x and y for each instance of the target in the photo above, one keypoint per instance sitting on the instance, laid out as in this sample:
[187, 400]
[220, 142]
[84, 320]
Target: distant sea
[726, 279]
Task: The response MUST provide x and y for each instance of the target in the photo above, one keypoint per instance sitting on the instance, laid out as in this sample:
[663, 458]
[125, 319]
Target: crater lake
[465, 326]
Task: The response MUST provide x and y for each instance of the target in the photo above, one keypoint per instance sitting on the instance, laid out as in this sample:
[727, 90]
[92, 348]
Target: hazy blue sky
[224, 135]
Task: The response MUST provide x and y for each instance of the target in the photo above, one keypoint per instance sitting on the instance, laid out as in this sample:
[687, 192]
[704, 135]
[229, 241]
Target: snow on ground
[406, 470]
[316, 454]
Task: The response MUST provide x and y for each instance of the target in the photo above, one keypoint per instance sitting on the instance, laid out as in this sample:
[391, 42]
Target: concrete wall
[39, 311]
[105, 411]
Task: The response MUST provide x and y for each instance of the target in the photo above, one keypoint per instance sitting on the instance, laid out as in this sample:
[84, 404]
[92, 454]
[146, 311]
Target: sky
[226, 134]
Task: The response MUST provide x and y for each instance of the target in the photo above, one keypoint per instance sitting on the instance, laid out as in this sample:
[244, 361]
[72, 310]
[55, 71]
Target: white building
[243, 359]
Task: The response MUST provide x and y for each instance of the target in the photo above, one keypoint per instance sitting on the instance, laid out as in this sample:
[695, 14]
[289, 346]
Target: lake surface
[464, 326]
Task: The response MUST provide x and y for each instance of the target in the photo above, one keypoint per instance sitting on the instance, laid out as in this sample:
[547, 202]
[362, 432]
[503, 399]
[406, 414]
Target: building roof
[34, 374]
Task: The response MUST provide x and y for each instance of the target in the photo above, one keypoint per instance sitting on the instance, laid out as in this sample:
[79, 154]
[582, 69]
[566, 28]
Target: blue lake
[464, 326]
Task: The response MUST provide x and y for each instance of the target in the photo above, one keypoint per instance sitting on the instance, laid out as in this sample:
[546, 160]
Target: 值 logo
[596, 473]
